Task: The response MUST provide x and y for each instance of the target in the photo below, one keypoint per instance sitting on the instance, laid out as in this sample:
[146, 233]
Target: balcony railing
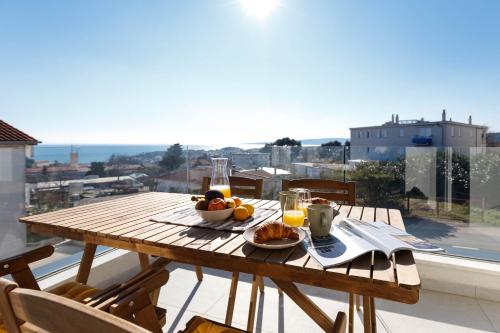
[422, 140]
[449, 196]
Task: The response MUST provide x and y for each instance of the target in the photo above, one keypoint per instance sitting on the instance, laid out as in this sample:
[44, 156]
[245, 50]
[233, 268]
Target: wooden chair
[111, 299]
[200, 324]
[33, 310]
[340, 192]
[249, 188]
[240, 186]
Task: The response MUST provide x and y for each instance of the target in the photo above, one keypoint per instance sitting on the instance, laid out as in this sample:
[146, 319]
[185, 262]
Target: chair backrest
[55, 314]
[340, 192]
[240, 186]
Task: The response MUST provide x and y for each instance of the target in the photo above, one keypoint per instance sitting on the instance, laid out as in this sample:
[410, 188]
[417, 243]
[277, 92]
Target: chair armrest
[18, 266]
[20, 261]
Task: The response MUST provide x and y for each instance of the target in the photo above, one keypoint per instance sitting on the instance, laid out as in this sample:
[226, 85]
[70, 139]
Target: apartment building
[389, 140]
[14, 146]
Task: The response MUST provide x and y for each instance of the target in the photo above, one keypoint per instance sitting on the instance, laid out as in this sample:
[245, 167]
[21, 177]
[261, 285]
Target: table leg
[199, 273]
[253, 304]
[144, 261]
[367, 314]
[351, 312]
[86, 263]
[232, 298]
[261, 283]
[373, 315]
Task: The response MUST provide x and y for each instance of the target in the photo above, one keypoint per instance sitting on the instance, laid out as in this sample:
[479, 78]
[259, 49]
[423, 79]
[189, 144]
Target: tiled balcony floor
[184, 297]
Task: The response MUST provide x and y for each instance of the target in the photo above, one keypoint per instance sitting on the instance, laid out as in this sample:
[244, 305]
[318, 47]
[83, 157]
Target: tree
[97, 169]
[380, 183]
[347, 143]
[30, 163]
[173, 157]
[286, 141]
[335, 143]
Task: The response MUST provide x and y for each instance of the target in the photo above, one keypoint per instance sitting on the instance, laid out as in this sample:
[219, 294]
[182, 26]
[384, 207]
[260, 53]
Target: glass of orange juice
[293, 215]
[304, 197]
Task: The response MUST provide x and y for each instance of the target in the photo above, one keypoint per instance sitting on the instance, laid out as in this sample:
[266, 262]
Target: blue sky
[207, 72]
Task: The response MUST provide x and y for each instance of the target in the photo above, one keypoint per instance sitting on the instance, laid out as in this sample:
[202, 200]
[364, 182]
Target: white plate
[273, 244]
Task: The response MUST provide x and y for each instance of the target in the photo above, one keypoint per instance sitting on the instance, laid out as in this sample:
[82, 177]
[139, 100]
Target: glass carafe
[220, 177]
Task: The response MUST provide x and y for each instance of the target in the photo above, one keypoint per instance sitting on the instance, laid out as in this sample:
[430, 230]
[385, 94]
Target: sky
[214, 72]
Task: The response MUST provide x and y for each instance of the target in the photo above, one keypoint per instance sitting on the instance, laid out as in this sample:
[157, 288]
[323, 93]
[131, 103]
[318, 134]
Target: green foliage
[123, 159]
[30, 163]
[347, 143]
[97, 169]
[173, 158]
[335, 143]
[286, 141]
[380, 183]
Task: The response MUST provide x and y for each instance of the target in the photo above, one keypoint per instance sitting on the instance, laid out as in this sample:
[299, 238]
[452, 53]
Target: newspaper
[352, 238]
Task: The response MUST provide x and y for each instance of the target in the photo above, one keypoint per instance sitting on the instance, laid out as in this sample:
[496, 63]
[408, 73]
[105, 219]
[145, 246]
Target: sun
[260, 9]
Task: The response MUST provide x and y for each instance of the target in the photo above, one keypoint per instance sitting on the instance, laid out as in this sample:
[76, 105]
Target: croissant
[274, 230]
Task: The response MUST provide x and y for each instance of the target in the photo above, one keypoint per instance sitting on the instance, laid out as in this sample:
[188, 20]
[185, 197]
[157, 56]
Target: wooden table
[125, 223]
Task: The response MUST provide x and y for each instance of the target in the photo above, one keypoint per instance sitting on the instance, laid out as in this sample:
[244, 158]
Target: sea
[100, 153]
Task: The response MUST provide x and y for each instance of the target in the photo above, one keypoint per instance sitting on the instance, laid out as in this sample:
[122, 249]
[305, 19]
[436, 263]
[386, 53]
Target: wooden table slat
[82, 208]
[119, 212]
[111, 220]
[79, 211]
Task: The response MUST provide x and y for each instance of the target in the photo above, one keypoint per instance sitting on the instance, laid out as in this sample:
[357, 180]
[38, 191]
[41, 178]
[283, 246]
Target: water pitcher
[220, 176]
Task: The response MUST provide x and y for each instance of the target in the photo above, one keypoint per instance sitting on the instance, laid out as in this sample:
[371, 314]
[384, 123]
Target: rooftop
[10, 134]
[396, 122]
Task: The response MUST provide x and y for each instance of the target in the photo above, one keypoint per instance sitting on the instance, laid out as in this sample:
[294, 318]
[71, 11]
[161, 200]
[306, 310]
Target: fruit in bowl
[213, 207]
[217, 204]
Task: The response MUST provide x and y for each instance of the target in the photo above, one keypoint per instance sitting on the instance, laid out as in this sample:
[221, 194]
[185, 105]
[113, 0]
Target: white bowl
[215, 215]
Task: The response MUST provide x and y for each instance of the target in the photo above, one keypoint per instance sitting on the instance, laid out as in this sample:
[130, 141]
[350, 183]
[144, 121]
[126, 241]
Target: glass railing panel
[449, 196]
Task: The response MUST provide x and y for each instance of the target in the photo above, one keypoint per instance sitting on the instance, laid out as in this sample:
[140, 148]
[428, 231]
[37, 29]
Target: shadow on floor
[183, 308]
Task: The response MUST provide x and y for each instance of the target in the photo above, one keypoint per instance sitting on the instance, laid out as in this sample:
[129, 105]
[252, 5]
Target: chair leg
[232, 298]
[199, 273]
[351, 312]
[358, 302]
[253, 304]
[261, 283]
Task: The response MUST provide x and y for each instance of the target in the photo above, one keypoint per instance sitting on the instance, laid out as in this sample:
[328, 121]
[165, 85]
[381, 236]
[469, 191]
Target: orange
[240, 213]
[237, 201]
[249, 208]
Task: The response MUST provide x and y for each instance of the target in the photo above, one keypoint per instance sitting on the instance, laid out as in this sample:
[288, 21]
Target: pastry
[274, 230]
[318, 200]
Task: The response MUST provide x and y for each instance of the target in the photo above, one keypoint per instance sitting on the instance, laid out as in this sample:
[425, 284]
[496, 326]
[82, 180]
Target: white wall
[12, 179]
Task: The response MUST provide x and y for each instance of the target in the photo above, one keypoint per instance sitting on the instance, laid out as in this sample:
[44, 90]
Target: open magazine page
[387, 238]
[342, 246]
